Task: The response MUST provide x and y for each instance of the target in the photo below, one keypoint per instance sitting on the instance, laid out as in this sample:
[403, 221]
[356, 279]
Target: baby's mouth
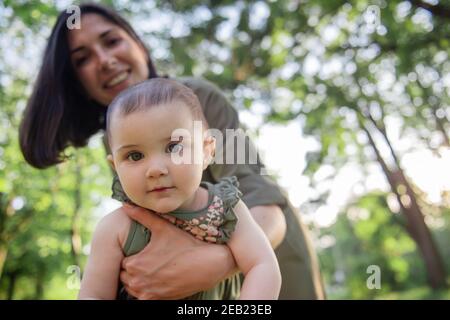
[161, 189]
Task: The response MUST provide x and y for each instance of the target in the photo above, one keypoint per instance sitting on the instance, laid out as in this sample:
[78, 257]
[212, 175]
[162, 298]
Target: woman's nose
[156, 168]
[106, 59]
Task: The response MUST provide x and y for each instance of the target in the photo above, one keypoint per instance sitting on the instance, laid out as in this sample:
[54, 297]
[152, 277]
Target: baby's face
[153, 152]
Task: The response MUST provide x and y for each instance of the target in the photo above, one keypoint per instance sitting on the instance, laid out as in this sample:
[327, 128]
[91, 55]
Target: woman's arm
[164, 269]
[101, 274]
[255, 258]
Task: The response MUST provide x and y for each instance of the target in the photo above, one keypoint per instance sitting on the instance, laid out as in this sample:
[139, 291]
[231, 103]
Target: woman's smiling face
[106, 58]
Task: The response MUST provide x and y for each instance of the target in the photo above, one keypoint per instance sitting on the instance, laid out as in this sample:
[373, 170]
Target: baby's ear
[111, 161]
[209, 149]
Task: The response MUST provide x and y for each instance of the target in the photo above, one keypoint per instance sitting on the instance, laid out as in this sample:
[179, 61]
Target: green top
[296, 257]
[214, 223]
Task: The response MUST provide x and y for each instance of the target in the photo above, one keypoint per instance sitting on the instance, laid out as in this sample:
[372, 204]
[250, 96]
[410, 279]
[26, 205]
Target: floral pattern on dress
[205, 227]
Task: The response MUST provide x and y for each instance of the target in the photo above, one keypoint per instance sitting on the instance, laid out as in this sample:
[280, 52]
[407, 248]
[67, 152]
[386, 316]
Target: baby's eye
[135, 156]
[174, 147]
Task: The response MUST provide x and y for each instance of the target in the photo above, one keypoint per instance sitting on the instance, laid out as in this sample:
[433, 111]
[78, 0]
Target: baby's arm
[101, 274]
[255, 258]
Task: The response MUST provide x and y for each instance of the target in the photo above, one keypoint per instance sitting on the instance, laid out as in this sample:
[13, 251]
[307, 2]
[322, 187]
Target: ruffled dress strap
[227, 190]
[117, 191]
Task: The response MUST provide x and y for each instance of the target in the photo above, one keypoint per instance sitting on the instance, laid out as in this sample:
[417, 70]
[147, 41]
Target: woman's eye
[135, 156]
[113, 41]
[80, 61]
[174, 147]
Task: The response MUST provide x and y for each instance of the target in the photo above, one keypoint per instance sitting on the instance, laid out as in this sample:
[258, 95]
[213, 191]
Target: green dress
[298, 262]
[214, 223]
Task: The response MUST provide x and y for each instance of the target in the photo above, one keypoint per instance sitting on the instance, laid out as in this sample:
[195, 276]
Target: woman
[82, 71]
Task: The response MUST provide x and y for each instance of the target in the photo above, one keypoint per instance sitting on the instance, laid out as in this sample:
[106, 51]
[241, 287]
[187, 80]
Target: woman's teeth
[117, 79]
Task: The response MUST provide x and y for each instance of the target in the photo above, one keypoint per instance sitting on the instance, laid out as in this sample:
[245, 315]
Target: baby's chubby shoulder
[116, 224]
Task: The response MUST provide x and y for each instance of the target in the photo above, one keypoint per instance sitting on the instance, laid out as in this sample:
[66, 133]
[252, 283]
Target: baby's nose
[156, 168]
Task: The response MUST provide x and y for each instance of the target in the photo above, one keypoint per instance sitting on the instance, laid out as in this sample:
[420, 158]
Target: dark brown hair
[150, 93]
[59, 112]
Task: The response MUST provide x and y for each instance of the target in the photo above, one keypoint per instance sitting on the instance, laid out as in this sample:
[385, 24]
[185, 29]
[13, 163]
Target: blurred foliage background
[367, 81]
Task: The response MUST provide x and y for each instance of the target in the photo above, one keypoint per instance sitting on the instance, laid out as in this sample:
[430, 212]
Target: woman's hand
[174, 265]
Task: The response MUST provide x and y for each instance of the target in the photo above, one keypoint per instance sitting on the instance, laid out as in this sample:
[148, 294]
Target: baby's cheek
[130, 185]
[189, 176]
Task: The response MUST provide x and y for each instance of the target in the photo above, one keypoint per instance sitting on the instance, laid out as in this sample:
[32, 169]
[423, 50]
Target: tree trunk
[11, 285]
[415, 223]
[423, 237]
[3, 254]
[39, 286]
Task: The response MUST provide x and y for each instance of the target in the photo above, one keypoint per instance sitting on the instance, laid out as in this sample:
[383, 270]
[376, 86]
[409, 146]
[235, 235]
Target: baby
[159, 158]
